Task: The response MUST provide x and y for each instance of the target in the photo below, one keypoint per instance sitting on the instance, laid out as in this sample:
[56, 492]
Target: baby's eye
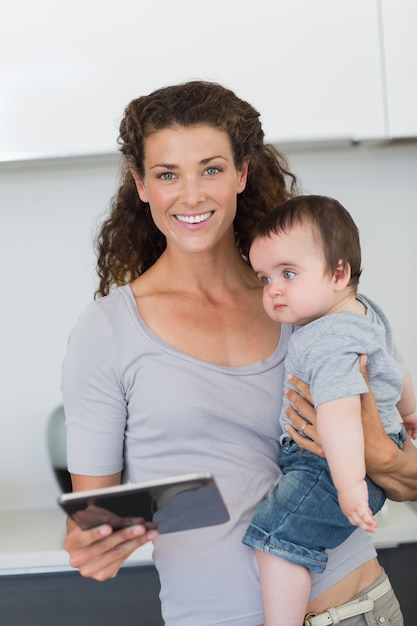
[265, 280]
[288, 274]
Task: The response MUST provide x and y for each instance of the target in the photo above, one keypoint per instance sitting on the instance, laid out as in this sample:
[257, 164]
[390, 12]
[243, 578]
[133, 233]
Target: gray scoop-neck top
[130, 397]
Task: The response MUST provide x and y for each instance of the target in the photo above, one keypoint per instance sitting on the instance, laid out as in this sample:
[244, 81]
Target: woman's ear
[139, 184]
[243, 174]
[342, 275]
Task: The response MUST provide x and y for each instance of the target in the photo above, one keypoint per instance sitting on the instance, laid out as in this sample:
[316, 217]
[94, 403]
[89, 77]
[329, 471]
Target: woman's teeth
[194, 219]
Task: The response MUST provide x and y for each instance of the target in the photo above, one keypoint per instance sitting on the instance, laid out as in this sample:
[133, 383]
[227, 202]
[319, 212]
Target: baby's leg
[285, 590]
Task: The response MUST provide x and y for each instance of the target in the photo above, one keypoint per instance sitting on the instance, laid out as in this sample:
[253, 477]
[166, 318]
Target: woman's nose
[192, 192]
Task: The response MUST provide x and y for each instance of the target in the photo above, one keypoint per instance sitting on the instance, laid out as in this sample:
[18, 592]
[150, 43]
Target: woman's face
[191, 184]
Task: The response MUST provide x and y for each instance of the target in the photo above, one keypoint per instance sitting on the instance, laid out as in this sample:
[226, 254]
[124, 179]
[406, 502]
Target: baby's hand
[410, 425]
[354, 504]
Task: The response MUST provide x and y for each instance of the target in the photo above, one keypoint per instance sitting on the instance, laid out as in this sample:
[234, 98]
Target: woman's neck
[211, 272]
[209, 307]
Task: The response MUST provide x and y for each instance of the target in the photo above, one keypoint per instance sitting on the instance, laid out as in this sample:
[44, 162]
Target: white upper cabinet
[312, 68]
[316, 70]
[399, 35]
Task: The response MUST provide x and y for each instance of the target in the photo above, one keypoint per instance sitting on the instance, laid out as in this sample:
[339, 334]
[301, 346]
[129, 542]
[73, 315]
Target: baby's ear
[342, 274]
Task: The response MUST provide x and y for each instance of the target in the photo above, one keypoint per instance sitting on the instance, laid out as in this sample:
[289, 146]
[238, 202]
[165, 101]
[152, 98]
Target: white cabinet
[321, 77]
[312, 68]
[399, 28]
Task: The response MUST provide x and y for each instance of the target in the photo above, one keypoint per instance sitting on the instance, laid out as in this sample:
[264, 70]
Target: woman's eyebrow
[173, 166]
[168, 166]
[208, 159]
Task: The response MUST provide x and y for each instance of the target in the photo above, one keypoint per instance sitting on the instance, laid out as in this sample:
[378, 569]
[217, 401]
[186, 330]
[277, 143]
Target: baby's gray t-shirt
[129, 395]
[325, 354]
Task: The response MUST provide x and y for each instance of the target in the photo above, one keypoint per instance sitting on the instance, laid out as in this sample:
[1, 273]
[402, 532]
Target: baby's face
[291, 265]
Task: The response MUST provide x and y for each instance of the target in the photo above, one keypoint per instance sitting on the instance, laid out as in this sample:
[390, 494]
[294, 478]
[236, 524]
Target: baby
[307, 254]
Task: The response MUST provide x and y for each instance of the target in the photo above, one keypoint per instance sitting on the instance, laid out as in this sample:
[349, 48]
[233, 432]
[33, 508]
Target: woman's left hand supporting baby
[303, 416]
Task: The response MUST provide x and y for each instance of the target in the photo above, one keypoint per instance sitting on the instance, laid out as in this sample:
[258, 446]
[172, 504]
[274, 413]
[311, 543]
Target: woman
[178, 368]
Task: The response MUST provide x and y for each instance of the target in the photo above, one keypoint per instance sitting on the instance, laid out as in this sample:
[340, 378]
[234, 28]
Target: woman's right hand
[100, 552]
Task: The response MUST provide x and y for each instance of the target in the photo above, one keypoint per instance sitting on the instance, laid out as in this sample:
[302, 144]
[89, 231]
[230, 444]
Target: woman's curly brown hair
[128, 242]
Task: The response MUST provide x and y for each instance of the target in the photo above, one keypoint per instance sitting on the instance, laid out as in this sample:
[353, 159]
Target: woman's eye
[212, 170]
[167, 176]
[288, 274]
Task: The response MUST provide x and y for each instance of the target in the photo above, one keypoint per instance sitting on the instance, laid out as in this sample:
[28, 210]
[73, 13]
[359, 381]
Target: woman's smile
[195, 218]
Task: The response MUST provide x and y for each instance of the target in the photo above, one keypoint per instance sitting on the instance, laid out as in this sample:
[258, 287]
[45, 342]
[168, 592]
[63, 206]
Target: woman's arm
[407, 402]
[100, 552]
[407, 407]
[392, 469]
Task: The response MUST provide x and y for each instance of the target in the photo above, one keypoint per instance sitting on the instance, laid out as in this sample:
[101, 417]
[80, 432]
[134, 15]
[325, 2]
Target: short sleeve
[93, 396]
[333, 369]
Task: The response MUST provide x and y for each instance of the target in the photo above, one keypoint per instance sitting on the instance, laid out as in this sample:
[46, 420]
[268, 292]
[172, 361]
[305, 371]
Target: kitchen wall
[49, 210]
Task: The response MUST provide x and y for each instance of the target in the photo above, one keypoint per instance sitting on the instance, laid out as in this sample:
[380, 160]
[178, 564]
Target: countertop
[31, 540]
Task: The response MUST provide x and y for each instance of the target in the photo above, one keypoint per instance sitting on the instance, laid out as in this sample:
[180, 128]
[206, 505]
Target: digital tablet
[170, 505]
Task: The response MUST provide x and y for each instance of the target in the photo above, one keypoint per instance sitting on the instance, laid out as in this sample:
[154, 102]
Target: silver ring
[304, 426]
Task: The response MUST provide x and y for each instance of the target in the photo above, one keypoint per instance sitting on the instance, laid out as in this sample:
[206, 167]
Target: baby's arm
[407, 407]
[339, 427]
